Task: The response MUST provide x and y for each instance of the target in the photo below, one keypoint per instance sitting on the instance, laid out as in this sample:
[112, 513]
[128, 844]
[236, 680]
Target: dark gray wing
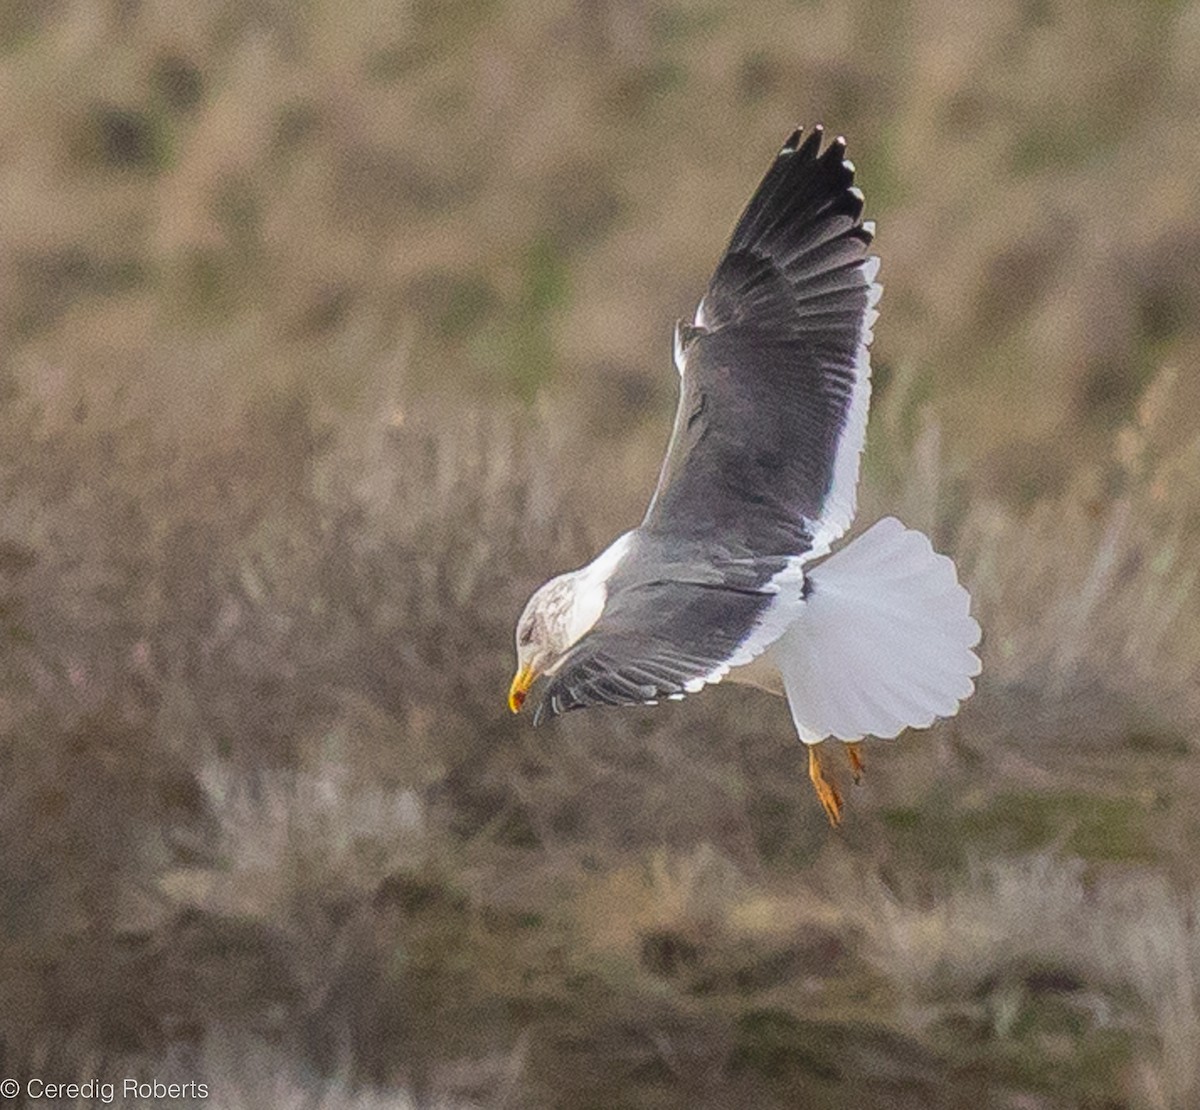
[763, 460]
[775, 378]
[658, 639]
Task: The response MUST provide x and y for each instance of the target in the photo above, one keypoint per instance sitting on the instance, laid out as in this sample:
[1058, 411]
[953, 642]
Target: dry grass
[328, 332]
[370, 854]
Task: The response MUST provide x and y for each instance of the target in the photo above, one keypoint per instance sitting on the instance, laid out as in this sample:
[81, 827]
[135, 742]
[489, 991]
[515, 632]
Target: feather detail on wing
[762, 466]
[775, 375]
[669, 638]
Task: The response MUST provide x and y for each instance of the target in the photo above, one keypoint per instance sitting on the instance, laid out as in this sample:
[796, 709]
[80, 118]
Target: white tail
[884, 641]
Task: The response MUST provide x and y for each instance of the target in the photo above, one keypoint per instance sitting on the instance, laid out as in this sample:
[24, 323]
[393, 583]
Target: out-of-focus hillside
[328, 331]
[222, 201]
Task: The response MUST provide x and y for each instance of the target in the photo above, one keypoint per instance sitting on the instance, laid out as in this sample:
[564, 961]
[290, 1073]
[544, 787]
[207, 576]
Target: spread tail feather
[884, 641]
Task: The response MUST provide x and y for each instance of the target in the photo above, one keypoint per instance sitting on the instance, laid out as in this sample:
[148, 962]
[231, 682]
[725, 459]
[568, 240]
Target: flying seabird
[758, 483]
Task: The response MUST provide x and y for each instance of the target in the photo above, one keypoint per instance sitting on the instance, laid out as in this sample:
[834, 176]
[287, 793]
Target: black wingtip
[833, 153]
[807, 172]
[810, 146]
[803, 191]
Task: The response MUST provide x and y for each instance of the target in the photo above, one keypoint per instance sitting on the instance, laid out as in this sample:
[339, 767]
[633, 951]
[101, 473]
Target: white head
[557, 617]
[554, 619]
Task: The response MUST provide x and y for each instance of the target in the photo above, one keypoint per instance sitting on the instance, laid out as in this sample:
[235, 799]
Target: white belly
[760, 673]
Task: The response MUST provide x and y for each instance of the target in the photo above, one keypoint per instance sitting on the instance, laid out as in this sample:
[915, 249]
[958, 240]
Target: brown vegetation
[327, 331]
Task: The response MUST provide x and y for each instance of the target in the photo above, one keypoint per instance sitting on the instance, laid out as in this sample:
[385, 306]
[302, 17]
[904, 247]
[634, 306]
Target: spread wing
[763, 461]
[667, 638]
[775, 376]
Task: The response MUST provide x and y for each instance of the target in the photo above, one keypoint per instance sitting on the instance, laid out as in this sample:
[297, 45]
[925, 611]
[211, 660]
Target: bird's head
[555, 618]
[559, 615]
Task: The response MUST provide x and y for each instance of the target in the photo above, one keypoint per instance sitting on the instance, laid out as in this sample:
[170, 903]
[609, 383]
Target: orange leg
[827, 792]
[857, 764]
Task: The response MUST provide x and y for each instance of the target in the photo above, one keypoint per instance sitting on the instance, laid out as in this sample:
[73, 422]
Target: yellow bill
[521, 682]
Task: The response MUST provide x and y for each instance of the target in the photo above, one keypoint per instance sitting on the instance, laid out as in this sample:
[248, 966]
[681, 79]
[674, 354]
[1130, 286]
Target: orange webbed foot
[826, 790]
[857, 764]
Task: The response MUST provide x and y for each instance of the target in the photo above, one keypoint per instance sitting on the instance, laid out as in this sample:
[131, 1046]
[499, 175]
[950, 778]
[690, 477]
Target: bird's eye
[526, 637]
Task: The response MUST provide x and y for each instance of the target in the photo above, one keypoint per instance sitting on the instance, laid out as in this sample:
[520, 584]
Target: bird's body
[758, 482]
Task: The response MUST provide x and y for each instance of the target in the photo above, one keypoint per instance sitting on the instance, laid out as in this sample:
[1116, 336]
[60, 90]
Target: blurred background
[328, 330]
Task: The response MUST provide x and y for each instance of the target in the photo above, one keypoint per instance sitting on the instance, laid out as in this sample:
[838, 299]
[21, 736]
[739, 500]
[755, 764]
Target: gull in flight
[730, 573]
